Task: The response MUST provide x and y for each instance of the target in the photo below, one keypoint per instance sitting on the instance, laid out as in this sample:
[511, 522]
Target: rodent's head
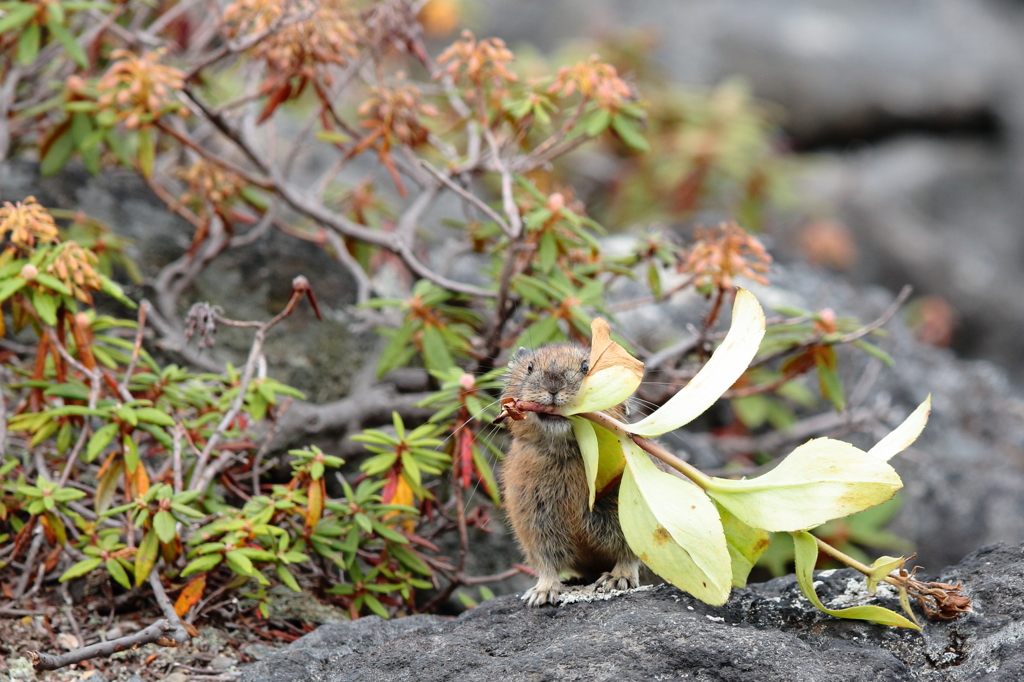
[550, 375]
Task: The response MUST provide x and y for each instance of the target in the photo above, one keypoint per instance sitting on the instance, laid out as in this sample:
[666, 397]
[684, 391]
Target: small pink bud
[467, 381]
[29, 272]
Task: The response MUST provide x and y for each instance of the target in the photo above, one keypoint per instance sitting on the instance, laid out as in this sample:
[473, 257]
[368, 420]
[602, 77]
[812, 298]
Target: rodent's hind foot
[543, 593]
[625, 576]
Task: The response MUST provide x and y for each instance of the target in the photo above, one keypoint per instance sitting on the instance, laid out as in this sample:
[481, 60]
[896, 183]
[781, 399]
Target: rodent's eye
[585, 367]
[529, 368]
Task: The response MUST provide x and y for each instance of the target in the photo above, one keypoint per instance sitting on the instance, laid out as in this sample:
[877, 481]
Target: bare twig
[136, 349]
[30, 562]
[200, 477]
[176, 457]
[847, 338]
[257, 460]
[154, 634]
[508, 200]
[469, 196]
[3, 414]
[364, 288]
[180, 634]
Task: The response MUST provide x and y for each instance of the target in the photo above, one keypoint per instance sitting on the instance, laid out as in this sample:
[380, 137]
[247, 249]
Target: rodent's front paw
[539, 594]
[614, 581]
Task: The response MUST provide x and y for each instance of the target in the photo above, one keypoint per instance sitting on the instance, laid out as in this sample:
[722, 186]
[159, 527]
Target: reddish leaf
[190, 595]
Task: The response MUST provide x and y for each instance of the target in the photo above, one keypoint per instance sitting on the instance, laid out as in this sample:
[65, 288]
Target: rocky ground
[767, 632]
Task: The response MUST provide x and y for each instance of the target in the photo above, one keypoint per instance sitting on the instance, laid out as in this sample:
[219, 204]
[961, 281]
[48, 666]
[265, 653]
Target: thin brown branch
[29, 565]
[157, 633]
[847, 338]
[508, 200]
[179, 634]
[200, 476]
[176, 457]
[136, 348]
[497, 577]
[468, 196]
[235, 46]
[364, 287]
[257, 460]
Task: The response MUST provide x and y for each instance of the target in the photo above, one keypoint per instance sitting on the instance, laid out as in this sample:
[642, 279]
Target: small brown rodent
[545, 483]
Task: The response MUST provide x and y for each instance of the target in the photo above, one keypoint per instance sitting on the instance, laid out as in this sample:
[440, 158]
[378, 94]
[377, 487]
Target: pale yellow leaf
[613, 376]
[674, 528]
[821, 480]
[905, 434]
[583, 429]
[726, 365]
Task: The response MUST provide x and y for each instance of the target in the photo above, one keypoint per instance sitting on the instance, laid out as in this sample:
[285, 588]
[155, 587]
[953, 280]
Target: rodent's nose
[553, 384]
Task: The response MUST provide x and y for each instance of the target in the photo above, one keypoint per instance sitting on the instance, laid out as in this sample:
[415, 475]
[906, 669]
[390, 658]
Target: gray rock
[840, 69]
[768, 632]
[943, 215]
[249, 283]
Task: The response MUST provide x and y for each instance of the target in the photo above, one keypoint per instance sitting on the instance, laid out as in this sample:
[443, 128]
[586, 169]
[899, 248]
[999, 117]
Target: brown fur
[545, 483]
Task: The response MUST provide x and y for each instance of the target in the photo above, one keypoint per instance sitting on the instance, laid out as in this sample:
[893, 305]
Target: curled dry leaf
[613, 375]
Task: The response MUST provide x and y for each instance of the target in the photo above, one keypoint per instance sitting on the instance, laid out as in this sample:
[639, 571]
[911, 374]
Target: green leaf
[376, 606]
[68, 41]
[410, 559]
[11, 287]
[17, 16]
[100, 440]
[397, 351]
[602, 455]
[239, 563]
[881, 567]
[436, 355]
[388, 533]
[58, 154]
[46, 306]
[145, 558]
[131, 454]
[163, 524]
[831, 387]
[629, 131]
[147, 151]
[113, 289]
[28, 44]
[547, 252]
[68, 494]
[674, 528]
[287, 578]
[153, 416]
[203, 563]
[483, 468]
[597, 122]
[64, 437]
[874, 351]
[51, 282]
[726, 365]
[821, 480]
[587, 441]
[72, 391]
[806, 549]
[80, 569]
[746, 545]
[117, 572]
